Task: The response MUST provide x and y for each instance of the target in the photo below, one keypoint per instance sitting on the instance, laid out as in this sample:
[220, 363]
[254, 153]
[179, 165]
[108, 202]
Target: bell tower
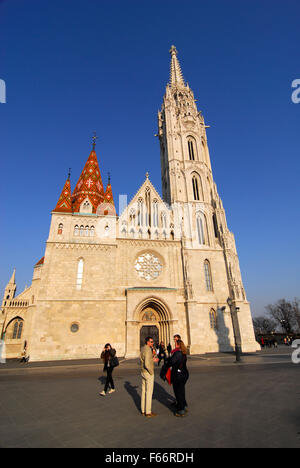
[185, 157]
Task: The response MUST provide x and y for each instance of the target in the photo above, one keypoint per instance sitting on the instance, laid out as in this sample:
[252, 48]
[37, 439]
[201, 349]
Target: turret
[10, 290]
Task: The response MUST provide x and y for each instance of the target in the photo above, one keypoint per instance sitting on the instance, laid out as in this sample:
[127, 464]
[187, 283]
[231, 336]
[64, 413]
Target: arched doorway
[148, 330]
[154, 321]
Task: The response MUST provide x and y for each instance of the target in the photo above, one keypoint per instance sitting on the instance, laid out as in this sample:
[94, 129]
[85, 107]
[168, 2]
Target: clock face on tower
[148, 267]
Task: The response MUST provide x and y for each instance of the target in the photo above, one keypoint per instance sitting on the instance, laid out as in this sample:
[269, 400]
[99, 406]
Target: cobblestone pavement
[253, 404]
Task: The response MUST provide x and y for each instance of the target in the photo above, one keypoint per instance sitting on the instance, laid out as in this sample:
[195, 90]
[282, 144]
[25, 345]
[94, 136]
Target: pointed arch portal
[149, 307]
[154, 319]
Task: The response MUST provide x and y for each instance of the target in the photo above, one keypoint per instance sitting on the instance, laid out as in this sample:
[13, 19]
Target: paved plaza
[253, 404]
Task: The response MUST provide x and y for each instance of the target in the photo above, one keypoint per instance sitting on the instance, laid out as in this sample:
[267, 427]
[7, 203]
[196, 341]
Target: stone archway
[153, 313]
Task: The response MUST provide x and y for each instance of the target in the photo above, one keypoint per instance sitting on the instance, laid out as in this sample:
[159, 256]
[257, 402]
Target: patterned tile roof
[64, 204]
[89, 185]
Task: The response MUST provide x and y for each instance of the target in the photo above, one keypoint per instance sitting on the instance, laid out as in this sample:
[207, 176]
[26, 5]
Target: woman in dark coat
[108, 355]
[162, 354]
[179, 376]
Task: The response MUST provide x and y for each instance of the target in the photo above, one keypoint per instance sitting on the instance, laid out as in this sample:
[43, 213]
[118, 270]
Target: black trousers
[109, 379]
[179, 391]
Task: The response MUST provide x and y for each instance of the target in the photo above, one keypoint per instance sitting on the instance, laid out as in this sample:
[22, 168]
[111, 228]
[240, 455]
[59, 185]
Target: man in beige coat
[147, 371]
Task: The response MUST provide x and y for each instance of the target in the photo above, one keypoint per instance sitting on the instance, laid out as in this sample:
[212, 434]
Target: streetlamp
[236, 329]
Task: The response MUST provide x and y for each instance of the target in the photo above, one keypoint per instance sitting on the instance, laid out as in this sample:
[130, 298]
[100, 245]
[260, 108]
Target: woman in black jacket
[108, 356]
[179, 376]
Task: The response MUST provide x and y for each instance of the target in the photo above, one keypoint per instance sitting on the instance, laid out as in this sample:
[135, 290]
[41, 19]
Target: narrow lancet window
[79, 275]
[196, 188]
[208, 277]
[200, 229]
[191, 150]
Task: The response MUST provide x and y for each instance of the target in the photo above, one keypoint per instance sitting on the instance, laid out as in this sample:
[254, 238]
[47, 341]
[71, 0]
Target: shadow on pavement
[131, 390]
[159, 394]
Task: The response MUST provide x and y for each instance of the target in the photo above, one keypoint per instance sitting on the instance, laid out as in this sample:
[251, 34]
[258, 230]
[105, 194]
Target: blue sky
[73, 67]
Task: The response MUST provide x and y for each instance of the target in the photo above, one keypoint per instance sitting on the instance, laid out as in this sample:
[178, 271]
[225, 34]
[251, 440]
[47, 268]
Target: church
[166, 264]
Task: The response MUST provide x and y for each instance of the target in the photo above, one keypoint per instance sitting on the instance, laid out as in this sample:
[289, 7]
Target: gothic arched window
[197, 187]
[208, 277]
[140, 211]
[132, 217]
[192, 148]
[200, 229]
[76, 230]
[215, 223]
[213, 319]
[17, 329]
[148, 207]
[60, 229]
[155, 213]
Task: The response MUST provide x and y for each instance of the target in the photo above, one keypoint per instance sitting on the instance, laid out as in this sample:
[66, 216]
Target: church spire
[109, 203]
[10, 290]
[89, 184]
[64, 204]
[176, 77]
[13, 278]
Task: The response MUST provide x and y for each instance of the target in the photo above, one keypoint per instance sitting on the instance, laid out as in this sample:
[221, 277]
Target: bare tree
[296, 306]
[264, 325]
[285, 314]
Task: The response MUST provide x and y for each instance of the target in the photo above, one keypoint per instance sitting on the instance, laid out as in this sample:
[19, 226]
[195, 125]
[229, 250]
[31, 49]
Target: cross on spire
[173, 50]
[94, 138]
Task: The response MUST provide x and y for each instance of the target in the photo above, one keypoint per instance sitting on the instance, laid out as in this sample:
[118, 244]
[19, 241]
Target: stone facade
[166, 265]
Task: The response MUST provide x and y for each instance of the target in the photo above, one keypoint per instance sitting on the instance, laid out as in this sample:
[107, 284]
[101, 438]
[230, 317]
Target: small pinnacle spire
[176, 77]
[13, 278]
[94, 140]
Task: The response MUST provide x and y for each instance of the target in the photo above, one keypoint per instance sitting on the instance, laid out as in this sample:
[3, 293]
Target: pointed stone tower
[10, 290]
[183, 142]
[210, 262]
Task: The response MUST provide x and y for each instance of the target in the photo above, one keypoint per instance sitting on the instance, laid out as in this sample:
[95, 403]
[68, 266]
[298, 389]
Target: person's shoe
[102, 393]
[151, 415]
[112, 390]
[180, 414]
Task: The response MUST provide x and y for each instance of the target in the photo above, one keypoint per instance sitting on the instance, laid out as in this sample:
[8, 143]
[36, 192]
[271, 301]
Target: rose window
[148, 267]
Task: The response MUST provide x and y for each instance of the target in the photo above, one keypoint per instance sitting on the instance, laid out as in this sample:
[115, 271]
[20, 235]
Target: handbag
[114, 361]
